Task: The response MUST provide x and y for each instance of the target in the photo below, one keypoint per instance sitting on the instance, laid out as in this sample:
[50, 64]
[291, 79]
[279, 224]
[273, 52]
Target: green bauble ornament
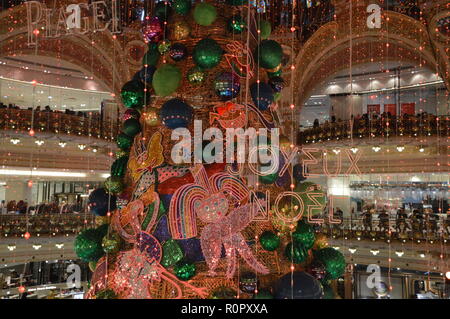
[92, 265]
[88, 245]
[270, 54]
[268, 179]
[166, 80]
[133, 94]
[172, 253]
[111, 243]
[276, 96]
[263, 294]
[184, 270]
[304, 234]
[152, 56]
[119, 167]
[236, 2]
[196, 75]
[269, 241]
[163, 10]
[224, 293]
[236, 24]
[328, 292]
[106, 294]
[164, 47]
[205, 14]
[182, 6]
[265, 29]
[207, 54]
[296, 252]
[124, 141]
[114, 185]
[131, 127]
[103, 229]
[333, 260]
[306, 188]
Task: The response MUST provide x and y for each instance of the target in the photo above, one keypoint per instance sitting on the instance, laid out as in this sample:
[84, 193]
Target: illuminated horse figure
[220, 202]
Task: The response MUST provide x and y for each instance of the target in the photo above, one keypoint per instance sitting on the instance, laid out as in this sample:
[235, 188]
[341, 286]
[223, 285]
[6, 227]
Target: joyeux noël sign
[80, 18]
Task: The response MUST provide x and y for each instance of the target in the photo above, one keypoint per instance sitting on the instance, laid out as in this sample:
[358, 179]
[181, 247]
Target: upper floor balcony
[365, 127]
[42, 121]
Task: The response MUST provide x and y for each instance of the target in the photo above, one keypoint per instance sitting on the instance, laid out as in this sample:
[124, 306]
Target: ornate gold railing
[44, 225]
[57, 123]
[384, 127]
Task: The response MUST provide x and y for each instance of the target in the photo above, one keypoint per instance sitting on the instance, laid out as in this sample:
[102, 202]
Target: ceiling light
[447, 275]
[95, 149]
[62, 144]
[37, 247]
[421, 149]
[81, 146]
[59, 246]
[399, 253]
[39, 142]
[352, 250]
[400, 148]
[336, 247]
[24, 172]
[354, 150]
[374, 252]
[422, 255]
[336, 151]
[15, 141]
[11, 247]
[376, 149]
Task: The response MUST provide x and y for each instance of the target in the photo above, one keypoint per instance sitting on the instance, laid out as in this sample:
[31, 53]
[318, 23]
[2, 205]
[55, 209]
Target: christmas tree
[204, 228]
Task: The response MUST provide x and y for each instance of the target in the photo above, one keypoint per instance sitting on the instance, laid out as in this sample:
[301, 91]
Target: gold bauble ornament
[321, 242]
[151, 116]
[100, 220]
[286, 224]
[180, 30]
[285, 144]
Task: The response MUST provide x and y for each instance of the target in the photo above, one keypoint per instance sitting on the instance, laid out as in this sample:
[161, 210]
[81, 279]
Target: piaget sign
[81, 18]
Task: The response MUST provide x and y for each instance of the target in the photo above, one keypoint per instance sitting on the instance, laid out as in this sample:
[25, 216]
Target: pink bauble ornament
[130, 114]
[152, 30]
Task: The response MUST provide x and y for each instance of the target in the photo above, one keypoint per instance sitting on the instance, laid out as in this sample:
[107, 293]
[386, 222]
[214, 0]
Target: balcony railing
[57, 123]
[393, 229]
[45, 225]
[382, 127]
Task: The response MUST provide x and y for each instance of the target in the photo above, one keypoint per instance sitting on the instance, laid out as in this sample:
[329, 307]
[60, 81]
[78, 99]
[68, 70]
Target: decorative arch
[401, 38]
[109, 58]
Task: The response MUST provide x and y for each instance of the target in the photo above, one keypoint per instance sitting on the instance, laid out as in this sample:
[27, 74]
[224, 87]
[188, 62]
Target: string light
[15, 141]
[400, 148]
